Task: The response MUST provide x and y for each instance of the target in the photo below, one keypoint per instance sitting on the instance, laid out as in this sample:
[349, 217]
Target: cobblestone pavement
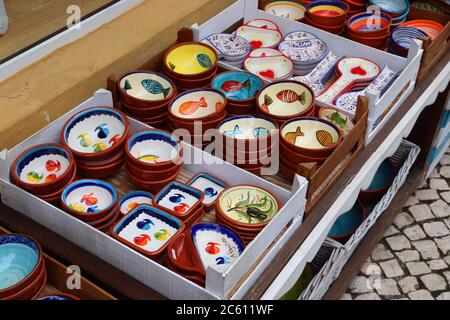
[412, 261]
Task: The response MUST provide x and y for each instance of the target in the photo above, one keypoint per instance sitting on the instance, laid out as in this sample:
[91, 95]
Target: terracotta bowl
[202, 124]
[260, 36]
[104, 162]
[141, 112]
[239, 87]
[346, 225]
[332, 29]
[132, 200]
[328, 13]
[285, 171]
[376, 42]
[358, 25]
[55, 196]
[43, 169]
[194, 83]
[292, 159]
[106, 220]
[197, 279]
[89, 199]
[96, 133]
[100, 171]
[183, 255]
[152, 175]
[146, 89]
[34, 289]
[238, 109]
[151, 186]
[382, 181]
[335, 116]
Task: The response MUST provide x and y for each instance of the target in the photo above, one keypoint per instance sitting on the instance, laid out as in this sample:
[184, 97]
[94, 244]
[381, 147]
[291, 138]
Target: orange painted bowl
[152, 175]
[141, 112]
[328, 13]
[146, 89]
[312, 137]
[96, 133]
[43, 169]
[361, 25]
[151, 186]
[100, 171]
[332, 29]
[375, 42]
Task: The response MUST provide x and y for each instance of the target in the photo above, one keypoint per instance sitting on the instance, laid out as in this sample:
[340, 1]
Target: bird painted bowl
[145, 88]
[132, 200]
[148, 230]
[259, 37]
[269, 64]
[96, 133]
[43, 169]
[384, 177]
[362, 24]
[328, 13]
[338, 118]
[190, 60]
[286, 9]
[238, 86]
[20, 263]
[395, 7]
[229, 47]
[346, 225]
[430, 27]
[216, 245]
[311, 136]
[58, 297]
[89, 199]
[209, 185]
[200, 104]
[153, 149]
[247, 206]
[285, 99]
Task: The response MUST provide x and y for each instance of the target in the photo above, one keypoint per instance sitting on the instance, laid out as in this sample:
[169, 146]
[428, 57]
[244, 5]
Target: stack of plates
[361, 29]
[327, 15]
[260, 33]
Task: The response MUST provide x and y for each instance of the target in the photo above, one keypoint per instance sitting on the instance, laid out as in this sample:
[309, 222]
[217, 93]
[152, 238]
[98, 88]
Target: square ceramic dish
[210, 186]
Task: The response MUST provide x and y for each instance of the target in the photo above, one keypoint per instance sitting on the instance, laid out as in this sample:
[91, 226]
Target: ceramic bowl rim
[394, 168]
[257, 116]
[297, 5]
[241, 72]
[341, 4]
[284, 77]
[134, 194]
[350, 233]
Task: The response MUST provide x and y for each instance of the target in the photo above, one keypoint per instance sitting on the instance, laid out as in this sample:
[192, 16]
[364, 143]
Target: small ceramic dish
[403, 36]
[193, 127]
[190, 60]
[292, 158]
[179, 199]
[89, 199]
[346, 225]
[189, 84]
[149, 185]
[148, 230]
[144, 112]
[328, 13]
[263, 23]
[43, 169]
[393, 7]
[229, 47]
[100, 171]
[238, 86]
[33, 289]
[269, 64]
[338, 118]
[260, 37]
[152, 175]
[285, 100]
[430, 27]
[106, 221]
[286, 9]
[382, 181]
[196, 278]
[96, 133]
[209, 185]
[54, 197]
[182, 255]
[338, 29]
[361, 24]
[58, 297]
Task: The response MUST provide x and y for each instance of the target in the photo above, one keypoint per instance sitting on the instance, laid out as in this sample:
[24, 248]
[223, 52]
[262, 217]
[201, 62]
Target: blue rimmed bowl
[382, 181]
[346, 225]
[132, 200]
[239, 87]
[59, 297]
[402, 37]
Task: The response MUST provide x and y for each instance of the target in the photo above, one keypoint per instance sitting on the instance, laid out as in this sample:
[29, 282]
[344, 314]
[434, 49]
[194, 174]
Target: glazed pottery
[229, 47]
[58, 297]
[149, 185]
[402, 37]
[384, 177]
[238, 86]
[286, 9]
[363, 24]
[346, 225]
[391, 6]
[100, 171]
[338, 118]
[34, 288]
[269, 64]
[327, 13]
[182, 255]
[151, 174]
[303, 48]
[132, 200]
[259, 35]
[209, 185]
[292, 159]
[200, 104]
[248, 128]
[430, 27]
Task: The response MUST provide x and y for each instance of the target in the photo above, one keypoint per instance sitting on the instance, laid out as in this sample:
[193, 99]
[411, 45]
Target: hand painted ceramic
[286, 9]
[304, 51]
[403, 36]
[391, 6]
[34, 288]
[336, 117]
[237, 85]
[100, 171]
[269, 64]
[260, 37]
[263, 23]
[209, 185]
[328, 13]
[346, 225]
[229, 47]
[285, 99]
[132, 200]
[216, 245]
[190, 59]
[183, 257]
[95, 132]
[59, 297]
[247, 205]
[365, 25]
[200, 104]
[248, 127]
[148, 230]
[384, 177]
[430, 27]
[152, 186]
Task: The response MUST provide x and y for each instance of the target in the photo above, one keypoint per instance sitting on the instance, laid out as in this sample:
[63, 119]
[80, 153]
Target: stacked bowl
[45, 171]
[230, 48]
[356, 6]
[401, 39]
[286, 9]
[260, 33]
[134, 199]
[96, 137]
[360, 28]
[145, 95]
[240, 89]
[22, 268]
[327, 15]
[397, 9]
[190, 65]
[92, 201]
[347, 224]
[306, 140]
[269, 64]
[153, 158]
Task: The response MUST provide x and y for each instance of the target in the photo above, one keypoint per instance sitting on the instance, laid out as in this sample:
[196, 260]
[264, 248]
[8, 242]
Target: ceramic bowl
[329, 13]
[100, 171]
[292, 158]
[132, 200]
[402, 37]
[147, 112]
[304, 52]
[230, 47]
[269, 64]
[148, 230]
[209, 185]
[183, 255]
[361, 24]
[152, 175]
[384, 177]
[151, 186]
[238, 87]
[58, 297]
[259, 37]
[342, 121]
[197, 126]
[33, 289]
[346, 225]
[430, 27]
[153, 149]
[43, 169]
[338, 29]
[379, 42]
[395, 7]
[285, 99]
[286, 9]
[107, 220]
[96, 133]
[311, 136]
[58, 192]
[89, 199]
[144, 88]
[190, 60]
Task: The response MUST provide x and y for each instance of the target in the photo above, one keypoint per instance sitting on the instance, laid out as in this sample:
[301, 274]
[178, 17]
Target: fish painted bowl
[58, 297]
[179, 200]
[148, 230]
[43, 169]
[311, 136]
[20, 263]
[89, 199]
[132, 200]
[304, 52]
[346, 225]
[146, 88]
[201, 104]
[341, 120]
[190, 60]
[96, 133]
[247, 206]
[194, 126]
[209, 185]
[259, 37]
[238, 87]
[292, 158]
[286, 9]
[269, 64]
[230, 47]
[384, 177]
[362, 25]
[286, 99]
[153, 149]
[328, 13]
[145, 112]
[216, 245]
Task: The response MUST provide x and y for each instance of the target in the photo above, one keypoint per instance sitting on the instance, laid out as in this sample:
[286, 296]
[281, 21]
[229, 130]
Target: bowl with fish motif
[146, 88]
[341, 120]
[312, 137]
[54, 198]
[286, 9]
[347, 224]
[148, 230]
[190, 60]
[89, 199]
[43, 169]
[285, 100]
[292, 158]
[239, 87]
[58, 297]
[132, 200]
[209, 185]
[382, 181]
[96, 133]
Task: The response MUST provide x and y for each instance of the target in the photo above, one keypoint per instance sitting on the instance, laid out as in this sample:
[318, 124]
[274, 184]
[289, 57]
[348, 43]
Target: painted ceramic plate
[191, 59]
[263, 23]
[229, 46]
[238, 85]
[286, 9]
[247, 127]
[148, 86]
[179, 198]
[43, 164]
[216, 245]
[285, 98]
[248, 204]
[260, 37]
[209, 185]
[132, 200]
[94, 130]
[310, 133]
[197, 104]
[89, 196]
[269, 64]
[154, 146]
[341, 120]
[305, 50]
